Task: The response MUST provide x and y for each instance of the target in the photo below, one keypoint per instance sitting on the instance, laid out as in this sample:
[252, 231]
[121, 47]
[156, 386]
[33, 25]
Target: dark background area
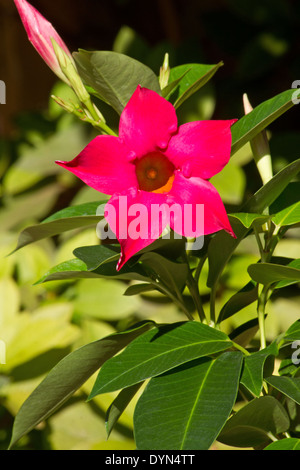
[259, 42]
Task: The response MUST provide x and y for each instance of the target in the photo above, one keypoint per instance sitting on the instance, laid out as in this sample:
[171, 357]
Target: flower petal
[137, 218]
[104, 165]
[201, 148]
[202, 210]
[147, 122]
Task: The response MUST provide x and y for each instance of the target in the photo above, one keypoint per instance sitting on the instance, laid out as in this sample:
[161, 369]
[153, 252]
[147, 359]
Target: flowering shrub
[204, 384]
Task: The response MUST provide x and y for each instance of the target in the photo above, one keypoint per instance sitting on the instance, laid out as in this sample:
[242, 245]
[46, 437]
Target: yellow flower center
[155, 173]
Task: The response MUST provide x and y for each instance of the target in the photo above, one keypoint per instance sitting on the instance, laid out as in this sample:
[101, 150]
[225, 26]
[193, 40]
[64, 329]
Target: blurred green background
[259, 42]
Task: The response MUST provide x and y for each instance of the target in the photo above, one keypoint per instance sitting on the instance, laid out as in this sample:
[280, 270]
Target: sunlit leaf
[251, 425]
[67, 219]
[67, 376]
[290, 443]
[187, 407]
[159, 350]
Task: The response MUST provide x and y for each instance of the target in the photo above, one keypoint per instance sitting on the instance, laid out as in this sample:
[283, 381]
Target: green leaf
[238, 301]
[248, 219]
[67, 219]
[191, 78]
[288, 216]
[119, 405]
[158, 351]
[261, 117]
[252, 376]
[173, 83]
[95, 256]
[187, 407]
[293, 264]
[293, 332]
[101, 71]
[82, 210]
[68, 376]
[223, 245]
[244, 333]
[220, 250]
[170, 273]
[139, 289]
[268, 273]
[289, 386]
[291, 443]
[251, 425]
[77, 269]
[268, 193]
[287, 198]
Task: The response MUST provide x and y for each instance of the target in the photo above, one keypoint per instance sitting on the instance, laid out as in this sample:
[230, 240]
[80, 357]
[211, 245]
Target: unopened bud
[164, 72]
[40, 33]
[260, 148]
[69, 69]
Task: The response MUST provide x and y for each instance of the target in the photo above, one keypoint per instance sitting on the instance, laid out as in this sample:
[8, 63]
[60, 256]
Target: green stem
[194, 290]
[96, 119]
[199, 268]
[213, 294]
[262, 300]
[240, 348]
[175, 299]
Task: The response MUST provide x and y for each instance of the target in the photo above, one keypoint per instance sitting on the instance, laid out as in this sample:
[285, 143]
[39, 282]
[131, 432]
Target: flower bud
[164, 72]
[40, 33]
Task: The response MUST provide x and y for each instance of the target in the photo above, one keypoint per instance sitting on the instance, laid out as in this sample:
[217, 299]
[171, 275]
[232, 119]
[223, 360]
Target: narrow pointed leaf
[68, 376]
[77, 269]
[193, 77]
[170, 273]
[288, 216]
[222, 246]
[268, 273]
[95, 256]
[248, 219]
[160, 350]
[289, 386]
[268, 193]
[291, 443]
[71, 218]
[293, 332]
[118, 406]
[238, 301]
[261, 117]
[186, 408]
[251, 425]
[252, 376]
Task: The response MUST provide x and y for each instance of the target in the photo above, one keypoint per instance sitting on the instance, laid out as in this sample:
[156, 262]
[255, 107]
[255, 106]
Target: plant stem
[213, 294]
[262, 300]
[177, 301]
[240, 348]
[199, 268]
[194, 290]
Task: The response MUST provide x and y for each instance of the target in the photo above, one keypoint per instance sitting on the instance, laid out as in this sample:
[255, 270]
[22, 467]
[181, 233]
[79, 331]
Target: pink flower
[40, 32]
[154, 162]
